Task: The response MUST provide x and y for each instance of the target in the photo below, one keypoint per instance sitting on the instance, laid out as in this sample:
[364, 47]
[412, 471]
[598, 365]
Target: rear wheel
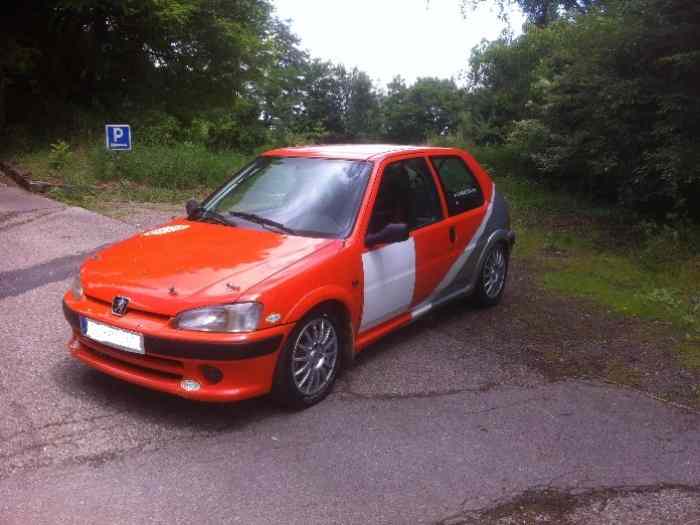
[492, 277]
[309, 362]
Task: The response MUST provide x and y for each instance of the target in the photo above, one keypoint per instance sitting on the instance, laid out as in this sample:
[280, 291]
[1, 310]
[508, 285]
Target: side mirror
[191, 206]
[391, 233]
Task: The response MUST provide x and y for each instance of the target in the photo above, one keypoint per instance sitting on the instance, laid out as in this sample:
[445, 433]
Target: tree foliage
[601, 96]
[430, 106]
[606, 101]
[539, 12]
[112, 52]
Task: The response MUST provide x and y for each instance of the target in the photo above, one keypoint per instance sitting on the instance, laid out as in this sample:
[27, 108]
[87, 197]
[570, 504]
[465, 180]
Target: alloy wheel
[493, 276]
[315, 356]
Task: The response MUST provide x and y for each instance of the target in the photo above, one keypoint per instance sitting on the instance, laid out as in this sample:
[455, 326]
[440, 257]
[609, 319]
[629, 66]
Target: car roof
[354, 151]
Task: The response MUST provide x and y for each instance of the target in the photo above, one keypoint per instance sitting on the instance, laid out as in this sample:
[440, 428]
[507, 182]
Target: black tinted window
[462, 191]
[407, 194]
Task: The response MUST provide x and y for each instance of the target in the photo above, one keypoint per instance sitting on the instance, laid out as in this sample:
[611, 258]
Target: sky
[385, 38]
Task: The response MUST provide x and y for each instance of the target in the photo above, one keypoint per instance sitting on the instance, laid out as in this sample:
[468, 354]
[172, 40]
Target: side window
[407, 194]
[462, 191]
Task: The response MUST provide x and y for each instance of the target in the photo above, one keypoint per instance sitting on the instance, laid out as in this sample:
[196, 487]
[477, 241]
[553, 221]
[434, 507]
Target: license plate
[111, 336]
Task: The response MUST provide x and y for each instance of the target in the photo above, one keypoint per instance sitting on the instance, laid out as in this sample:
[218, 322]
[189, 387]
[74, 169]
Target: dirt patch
[562, 337]
[569, 337]
[6, 181]
[638, 506]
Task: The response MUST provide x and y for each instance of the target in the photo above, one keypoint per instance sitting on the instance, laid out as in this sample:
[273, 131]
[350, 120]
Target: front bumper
[246, 362]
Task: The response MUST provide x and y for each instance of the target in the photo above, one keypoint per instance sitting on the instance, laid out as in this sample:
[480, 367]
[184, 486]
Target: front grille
[151, 372]
[167, 368]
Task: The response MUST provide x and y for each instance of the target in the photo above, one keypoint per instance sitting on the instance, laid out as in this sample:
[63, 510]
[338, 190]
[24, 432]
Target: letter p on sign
[118, 137]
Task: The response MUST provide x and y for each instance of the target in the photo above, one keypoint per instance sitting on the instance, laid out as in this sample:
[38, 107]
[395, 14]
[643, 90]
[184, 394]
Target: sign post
[118, 137]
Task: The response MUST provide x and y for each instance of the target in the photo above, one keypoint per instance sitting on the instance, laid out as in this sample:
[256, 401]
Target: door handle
[453, 234]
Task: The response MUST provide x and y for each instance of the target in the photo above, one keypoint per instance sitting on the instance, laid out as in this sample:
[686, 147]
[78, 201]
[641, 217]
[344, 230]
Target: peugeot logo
[119, 305]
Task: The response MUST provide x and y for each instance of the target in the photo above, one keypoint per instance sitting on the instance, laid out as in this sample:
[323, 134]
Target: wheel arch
[338, 302]
[500, 236]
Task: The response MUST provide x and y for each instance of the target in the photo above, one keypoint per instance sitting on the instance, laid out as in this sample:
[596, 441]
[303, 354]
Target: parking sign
[118, 137]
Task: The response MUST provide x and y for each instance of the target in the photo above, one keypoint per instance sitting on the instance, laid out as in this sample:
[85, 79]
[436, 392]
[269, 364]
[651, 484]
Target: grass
[89, 176]
[609, 257]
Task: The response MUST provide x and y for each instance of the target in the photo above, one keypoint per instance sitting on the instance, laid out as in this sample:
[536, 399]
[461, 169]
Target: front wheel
[310, 361]
[492, 277]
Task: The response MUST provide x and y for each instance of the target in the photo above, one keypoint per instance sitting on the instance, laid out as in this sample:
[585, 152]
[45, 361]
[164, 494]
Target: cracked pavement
[437, 423]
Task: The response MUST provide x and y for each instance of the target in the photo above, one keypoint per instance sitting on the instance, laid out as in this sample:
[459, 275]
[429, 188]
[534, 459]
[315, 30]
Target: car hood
[185, 264]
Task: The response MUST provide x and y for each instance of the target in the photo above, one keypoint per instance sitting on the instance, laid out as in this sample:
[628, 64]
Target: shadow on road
[81, 382]
[151, 406]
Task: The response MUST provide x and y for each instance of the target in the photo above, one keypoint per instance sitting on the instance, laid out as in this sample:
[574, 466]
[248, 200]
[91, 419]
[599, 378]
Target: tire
[310, 361]
[492, 277]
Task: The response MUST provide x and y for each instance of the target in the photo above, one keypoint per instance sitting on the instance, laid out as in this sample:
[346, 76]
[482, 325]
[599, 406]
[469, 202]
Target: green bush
[59, 155]
[282, 138]
[237, 127]
[156, 128]
[499, 161]
[178, 166]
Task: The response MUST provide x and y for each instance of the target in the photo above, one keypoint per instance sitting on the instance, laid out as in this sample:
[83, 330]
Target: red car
[281, 276]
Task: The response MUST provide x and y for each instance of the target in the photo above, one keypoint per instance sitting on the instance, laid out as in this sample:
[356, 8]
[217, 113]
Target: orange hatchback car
[301, 260]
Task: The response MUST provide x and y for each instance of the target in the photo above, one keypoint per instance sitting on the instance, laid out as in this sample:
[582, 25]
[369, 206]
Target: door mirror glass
[391, 233]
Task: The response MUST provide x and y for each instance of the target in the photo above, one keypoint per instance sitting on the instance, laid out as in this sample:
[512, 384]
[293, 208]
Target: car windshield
[304, 196]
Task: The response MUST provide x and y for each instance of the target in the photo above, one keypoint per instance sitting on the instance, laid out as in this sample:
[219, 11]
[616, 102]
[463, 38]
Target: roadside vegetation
[631, 266]
[616, 257]
[588, 120]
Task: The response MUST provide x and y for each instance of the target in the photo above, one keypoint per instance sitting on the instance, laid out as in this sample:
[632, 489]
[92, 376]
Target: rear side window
[462, 191]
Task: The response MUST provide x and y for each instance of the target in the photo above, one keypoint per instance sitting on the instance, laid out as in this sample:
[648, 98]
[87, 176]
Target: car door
[401, 275]
[466, 208]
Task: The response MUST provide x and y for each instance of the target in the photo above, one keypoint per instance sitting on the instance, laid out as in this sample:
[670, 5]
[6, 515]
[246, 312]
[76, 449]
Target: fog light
[212, 374]
[189, 385]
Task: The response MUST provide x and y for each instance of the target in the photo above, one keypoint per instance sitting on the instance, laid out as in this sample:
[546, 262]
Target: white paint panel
[390, 278]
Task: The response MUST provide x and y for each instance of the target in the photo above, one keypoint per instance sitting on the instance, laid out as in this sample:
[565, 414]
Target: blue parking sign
[118, 137]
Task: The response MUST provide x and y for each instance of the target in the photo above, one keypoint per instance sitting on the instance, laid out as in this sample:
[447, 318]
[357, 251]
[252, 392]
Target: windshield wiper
[204, 214]
[262, 221]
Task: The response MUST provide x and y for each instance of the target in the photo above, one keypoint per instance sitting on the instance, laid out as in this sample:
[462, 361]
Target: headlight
[239, 317]
[76, 287]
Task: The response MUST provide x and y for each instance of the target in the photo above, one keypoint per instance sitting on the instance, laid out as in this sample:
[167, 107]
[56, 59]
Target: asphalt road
[429, 425]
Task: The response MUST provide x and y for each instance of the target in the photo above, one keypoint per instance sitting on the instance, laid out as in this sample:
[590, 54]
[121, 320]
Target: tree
[342, 103]
[539, 12]
[605, 101]
[430, 106]
[361, 106]
[178, 54]
[281, 85]
[502, 82]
